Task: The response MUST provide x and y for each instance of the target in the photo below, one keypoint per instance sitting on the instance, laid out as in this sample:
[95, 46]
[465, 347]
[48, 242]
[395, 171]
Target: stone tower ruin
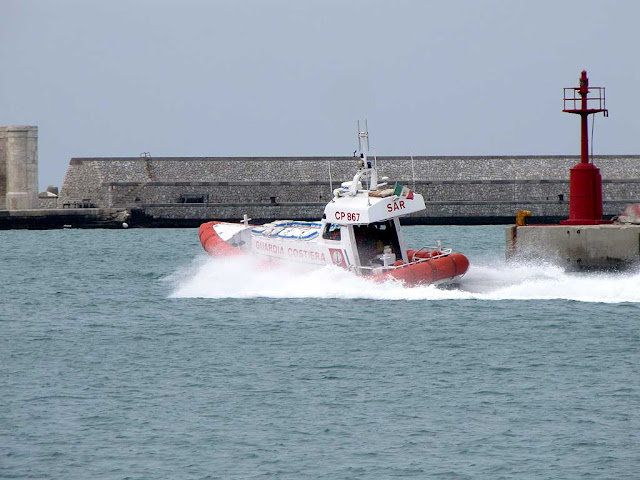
[18, 167]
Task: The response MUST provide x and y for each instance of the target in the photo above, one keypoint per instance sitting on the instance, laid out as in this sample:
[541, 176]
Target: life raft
[427, 268]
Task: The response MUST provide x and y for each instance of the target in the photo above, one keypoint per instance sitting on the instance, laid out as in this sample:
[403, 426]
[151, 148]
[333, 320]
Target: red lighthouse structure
[584, 241]
[585, 182]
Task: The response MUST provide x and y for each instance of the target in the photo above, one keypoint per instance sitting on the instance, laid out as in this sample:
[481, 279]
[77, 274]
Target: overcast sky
[292, 77]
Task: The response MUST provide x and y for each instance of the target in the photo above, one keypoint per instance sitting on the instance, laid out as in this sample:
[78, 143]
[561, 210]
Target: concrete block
[575, 246]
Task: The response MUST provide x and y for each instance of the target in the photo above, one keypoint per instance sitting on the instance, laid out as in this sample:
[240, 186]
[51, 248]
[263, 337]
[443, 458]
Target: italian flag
[402, 191]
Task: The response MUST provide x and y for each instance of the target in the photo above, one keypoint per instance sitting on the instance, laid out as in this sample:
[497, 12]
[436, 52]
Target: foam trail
[246, 277]
[549, 282]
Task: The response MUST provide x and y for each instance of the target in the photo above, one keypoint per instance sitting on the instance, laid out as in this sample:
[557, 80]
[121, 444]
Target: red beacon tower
[585, 182]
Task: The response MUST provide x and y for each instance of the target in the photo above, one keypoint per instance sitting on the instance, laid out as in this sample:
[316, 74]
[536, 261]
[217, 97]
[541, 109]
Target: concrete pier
[68, 218]
[576, 247]
[19, 167]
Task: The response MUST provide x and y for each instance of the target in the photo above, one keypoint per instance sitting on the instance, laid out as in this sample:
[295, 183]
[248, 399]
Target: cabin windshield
[331, 232]
[372, 238]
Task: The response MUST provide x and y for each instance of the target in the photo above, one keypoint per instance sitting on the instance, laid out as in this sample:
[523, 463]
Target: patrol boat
[359, 231]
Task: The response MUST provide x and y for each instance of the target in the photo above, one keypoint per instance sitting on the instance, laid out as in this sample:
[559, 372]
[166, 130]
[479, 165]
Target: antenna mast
[363, 162]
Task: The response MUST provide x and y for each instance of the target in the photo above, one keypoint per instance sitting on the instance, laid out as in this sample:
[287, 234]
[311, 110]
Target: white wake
[245, 277]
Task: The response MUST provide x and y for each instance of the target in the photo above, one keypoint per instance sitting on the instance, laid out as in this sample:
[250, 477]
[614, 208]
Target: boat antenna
[363, 145]
[366, 130]
[363, 140]
[413, 173]
[330, 181]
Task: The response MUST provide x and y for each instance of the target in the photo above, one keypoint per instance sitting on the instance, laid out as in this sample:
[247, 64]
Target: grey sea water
[131, 355]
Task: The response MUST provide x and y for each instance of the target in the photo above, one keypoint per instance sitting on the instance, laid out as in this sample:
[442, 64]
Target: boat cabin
[365, 220]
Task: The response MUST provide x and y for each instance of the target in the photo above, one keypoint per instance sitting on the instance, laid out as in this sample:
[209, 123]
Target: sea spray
[247, 277]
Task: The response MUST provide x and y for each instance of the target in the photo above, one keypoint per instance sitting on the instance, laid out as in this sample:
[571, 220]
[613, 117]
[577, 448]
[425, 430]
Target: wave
[491, 279]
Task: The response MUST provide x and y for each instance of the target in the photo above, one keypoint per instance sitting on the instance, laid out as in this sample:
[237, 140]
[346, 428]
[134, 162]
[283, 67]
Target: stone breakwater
[456, 189]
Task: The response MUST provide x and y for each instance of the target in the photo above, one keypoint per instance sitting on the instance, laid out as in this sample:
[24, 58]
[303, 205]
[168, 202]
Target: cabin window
[372, 238]
[331, 232]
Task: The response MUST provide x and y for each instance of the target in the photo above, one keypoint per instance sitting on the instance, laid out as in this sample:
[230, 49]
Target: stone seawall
[44, 219]
[470, 189]
[3, 169]
[436, 213]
